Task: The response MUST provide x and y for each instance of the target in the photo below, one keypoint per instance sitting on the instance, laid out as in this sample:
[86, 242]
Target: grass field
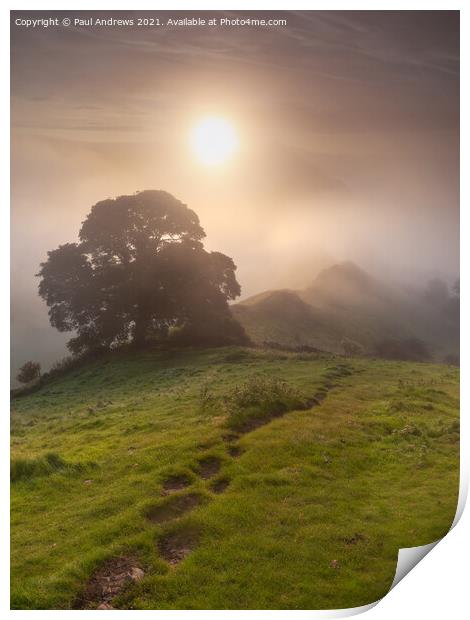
[227, 497]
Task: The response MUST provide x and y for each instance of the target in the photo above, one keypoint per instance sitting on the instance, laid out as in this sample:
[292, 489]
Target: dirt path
[177, 541]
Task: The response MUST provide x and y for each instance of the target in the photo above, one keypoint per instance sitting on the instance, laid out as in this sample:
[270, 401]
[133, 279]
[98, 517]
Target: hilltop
[346, 303]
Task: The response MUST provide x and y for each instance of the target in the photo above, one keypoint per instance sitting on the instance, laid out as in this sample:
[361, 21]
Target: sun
[213, 140]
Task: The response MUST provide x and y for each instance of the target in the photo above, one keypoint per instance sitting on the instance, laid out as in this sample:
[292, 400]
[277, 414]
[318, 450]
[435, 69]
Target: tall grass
[259, 399]
[26, 469]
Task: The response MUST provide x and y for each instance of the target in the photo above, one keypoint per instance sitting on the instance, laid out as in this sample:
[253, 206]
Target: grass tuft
[26, 469]
[258, 400]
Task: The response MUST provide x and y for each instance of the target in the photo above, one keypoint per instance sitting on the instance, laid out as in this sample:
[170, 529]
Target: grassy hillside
[282, 317]
[344, 302]
[228, 478]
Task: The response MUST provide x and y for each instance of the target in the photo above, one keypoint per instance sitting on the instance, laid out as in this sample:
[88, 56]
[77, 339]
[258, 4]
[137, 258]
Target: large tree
[139, 269]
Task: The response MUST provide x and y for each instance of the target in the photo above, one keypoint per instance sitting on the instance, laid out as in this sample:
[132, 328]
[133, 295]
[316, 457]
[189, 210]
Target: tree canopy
[140, 272]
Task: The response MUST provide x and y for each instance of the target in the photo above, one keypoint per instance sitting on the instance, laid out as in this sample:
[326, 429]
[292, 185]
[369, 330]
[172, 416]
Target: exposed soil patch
[209, 466]
[235, 451]
[108, 581]
[353, 540]
[175, 546]
[220, 485]
[205, 445]
[174, 507]
[253, 423]
[320, 396]
[176, 482]
[230, 437]
[312, 402]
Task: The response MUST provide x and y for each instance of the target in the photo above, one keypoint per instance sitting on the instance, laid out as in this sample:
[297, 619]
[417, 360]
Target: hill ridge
[345, 303]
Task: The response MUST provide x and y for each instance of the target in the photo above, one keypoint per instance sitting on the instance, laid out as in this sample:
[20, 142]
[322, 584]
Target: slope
[128, 472]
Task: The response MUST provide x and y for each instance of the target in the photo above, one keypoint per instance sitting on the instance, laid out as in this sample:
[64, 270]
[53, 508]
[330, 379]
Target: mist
[349, 134]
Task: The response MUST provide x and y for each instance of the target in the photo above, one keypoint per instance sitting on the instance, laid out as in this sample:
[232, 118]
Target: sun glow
[213, 140]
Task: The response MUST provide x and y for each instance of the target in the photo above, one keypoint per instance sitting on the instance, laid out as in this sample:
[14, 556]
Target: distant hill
[346, 303]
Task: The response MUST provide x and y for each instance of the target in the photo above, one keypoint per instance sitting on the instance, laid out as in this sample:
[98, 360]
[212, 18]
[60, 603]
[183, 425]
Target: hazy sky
[348, 125]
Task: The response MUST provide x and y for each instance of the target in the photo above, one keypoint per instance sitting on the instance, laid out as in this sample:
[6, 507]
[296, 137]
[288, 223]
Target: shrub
[66, 364]
[29, 372]
[351, 348]
[258, 400]
[412, 350]
[62, 366]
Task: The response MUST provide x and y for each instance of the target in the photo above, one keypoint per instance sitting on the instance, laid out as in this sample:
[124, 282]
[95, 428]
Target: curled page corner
[354, 611]
[345, 612]
[409, 557]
